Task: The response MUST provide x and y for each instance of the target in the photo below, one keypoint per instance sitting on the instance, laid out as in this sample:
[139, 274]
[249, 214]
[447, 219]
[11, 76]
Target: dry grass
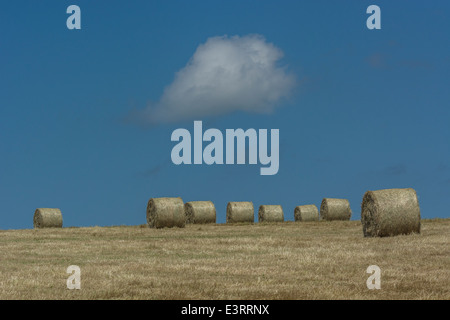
[317, 260]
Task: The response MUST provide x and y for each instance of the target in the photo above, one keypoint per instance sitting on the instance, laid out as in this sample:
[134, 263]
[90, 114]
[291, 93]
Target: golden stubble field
[290, 260]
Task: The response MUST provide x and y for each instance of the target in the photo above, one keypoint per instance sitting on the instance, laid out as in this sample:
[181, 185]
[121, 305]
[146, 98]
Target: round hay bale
[307, 212]
[165, 213]
[240, 212]
[335, 209]
[47, 218]
[270, 213]
[390, 212]
[200, 212]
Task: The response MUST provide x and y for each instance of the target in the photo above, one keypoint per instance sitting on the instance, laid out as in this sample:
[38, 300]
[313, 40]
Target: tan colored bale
[200, 212]
[240, 212]
[270, 213]
[390, 212]
[165, 213]
[335, 209]
[47, 218]
[307, 212]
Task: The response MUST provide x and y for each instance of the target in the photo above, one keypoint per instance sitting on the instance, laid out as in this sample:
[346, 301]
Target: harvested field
[316, 260]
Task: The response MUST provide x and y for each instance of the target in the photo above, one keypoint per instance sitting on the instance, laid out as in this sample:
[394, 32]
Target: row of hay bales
[171, 212]
[383, 213]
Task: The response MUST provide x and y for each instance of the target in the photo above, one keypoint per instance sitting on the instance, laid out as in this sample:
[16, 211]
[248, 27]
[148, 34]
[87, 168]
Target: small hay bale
[240, 212]
[335, 209]
[165, 213]
[200, 212]
[47, 218]
[390, 212]
[307, 212]
[270, 213]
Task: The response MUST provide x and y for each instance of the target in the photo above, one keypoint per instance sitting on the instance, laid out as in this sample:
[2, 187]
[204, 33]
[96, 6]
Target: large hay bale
[200, 212]
[240, 212]
[270, 213]
[165, 213]
[47, 218]
[307, 212]
[335, 209]
[390, 212]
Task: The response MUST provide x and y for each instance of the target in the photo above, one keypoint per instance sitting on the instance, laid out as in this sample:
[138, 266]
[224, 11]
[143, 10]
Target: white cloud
[225, 74]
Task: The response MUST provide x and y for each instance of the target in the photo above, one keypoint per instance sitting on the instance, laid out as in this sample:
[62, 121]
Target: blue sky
[370, 108]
